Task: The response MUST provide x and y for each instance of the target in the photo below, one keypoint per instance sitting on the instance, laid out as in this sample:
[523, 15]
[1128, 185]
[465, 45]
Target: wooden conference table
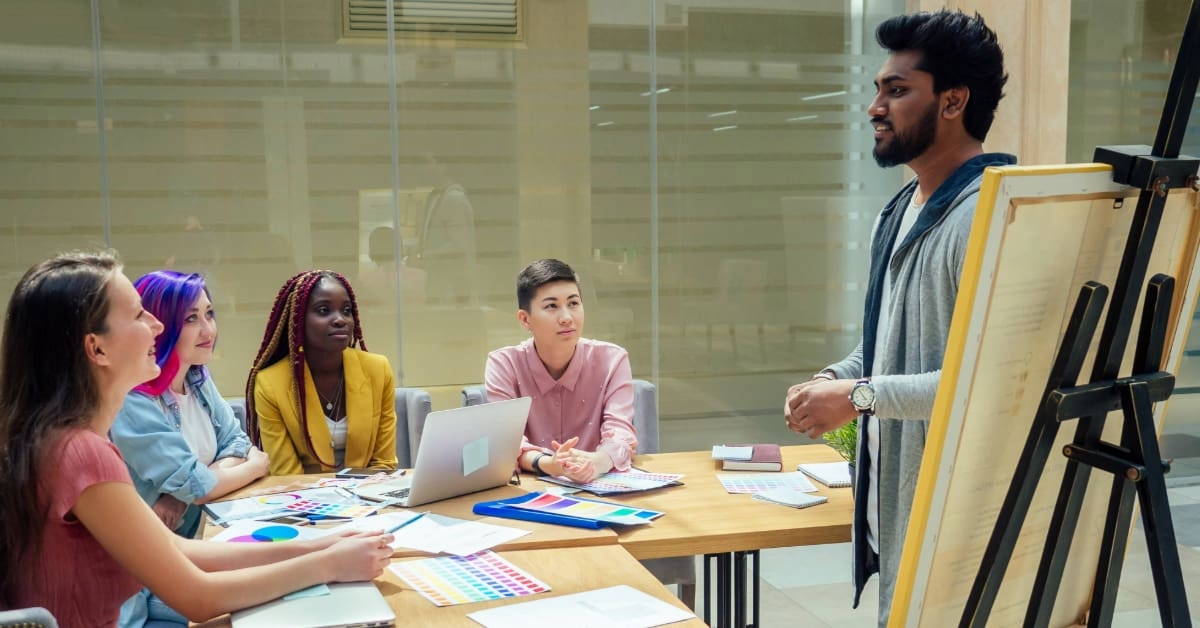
[566, 571]
[701, 518]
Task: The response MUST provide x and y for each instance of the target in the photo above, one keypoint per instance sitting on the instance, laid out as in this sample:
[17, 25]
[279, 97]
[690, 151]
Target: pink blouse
[73, 576]
[592, 400]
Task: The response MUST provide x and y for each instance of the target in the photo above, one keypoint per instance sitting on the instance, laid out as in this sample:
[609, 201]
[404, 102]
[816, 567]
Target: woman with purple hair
[180, 439]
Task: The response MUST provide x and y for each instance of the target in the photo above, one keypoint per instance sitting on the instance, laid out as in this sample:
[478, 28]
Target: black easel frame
[1136, 462]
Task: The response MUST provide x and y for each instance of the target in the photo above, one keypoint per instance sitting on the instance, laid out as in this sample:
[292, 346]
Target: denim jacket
[147, 431]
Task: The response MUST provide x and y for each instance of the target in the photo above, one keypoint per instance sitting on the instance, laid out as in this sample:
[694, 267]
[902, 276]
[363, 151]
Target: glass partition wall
[703, 164]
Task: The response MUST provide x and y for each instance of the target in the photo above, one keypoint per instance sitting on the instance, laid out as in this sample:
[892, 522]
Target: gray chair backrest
[645, 416]
[645, 411]
[474, 395]
[33, 617]
[412, 407]
[239, 409]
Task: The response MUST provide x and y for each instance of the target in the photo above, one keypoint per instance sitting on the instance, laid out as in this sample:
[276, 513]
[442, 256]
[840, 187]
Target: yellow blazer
[370, 411]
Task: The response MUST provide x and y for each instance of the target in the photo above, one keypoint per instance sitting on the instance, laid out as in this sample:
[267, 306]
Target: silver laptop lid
[469, 449]
[348, 604]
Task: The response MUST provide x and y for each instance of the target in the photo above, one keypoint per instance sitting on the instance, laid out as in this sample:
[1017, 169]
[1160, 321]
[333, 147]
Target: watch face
[862, 396]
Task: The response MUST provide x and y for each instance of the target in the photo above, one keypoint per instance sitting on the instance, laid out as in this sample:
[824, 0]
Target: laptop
[462, 451]
[348, 604]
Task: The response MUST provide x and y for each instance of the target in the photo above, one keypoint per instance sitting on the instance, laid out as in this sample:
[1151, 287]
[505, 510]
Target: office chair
[239, 409]
[33, 617]
[412, 406]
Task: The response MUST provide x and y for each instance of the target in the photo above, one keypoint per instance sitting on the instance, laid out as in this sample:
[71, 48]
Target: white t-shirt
[885, 305]
[197, 428]
[337, 436]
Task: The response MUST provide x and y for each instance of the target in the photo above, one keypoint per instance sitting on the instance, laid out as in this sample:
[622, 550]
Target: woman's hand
[359, 556]
[169, 510]
[577, 465]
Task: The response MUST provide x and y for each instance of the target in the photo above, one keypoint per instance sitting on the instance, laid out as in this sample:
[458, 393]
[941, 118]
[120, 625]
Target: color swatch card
[451, 580]
[589, 509]
[276, 504]
[250, 531]
[326, 509]
[615, 482]
[759, 482]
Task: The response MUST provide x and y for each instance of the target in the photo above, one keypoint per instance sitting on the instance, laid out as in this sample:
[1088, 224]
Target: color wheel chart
[246, 531]
[759, 482]
[267, 534]
[451, 580]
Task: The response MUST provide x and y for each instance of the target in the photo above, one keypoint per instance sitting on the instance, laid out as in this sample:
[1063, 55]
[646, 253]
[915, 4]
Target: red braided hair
[287, 319]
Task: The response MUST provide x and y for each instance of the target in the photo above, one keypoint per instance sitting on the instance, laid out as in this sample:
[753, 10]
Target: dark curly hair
[959, 50]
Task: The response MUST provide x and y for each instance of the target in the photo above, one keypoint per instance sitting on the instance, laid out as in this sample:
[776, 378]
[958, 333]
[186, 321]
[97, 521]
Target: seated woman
[581, 421]
[179, 438]
[315, 402]
[75, 537]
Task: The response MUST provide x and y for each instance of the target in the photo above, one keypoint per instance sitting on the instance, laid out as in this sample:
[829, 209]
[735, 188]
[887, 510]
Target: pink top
[592, 400]
[74, 577]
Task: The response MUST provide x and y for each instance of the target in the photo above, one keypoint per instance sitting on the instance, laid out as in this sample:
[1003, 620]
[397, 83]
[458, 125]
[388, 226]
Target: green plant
[844, 440]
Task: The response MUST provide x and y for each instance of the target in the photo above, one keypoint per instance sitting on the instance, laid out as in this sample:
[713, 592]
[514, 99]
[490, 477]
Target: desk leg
[707, 588]
[732, 585]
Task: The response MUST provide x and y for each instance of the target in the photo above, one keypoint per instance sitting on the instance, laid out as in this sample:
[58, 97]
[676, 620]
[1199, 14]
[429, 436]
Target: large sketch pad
[1039, 234]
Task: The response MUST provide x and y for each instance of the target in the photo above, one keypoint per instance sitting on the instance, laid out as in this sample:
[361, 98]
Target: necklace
[330, 405]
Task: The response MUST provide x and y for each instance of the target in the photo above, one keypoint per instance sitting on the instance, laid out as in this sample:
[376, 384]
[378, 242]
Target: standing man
[935, 98]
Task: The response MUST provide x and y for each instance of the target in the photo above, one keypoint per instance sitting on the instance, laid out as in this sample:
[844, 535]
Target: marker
[397, 527]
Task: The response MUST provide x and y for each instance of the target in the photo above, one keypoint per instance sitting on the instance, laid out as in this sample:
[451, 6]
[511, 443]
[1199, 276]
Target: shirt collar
[541, 376]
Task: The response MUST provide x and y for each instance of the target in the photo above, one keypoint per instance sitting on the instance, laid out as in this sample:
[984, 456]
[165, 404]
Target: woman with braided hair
[316, 401]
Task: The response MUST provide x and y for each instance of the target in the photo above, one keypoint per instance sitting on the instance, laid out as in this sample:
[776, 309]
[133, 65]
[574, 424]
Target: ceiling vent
[466, 19]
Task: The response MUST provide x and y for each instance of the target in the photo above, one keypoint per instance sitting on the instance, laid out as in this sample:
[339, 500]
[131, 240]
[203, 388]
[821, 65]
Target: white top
[197, 428]
[337, 436]
[885, 306]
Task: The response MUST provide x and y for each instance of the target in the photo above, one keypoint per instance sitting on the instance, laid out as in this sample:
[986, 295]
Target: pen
[398, 526]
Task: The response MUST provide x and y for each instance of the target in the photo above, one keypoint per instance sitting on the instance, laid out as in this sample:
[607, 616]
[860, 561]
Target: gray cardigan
[925, 272]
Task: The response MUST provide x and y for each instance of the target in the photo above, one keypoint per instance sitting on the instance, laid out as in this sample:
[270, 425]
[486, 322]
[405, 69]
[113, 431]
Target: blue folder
[504, 508]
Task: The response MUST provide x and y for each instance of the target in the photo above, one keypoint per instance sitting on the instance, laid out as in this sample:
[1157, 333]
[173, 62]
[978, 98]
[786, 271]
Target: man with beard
[936, 96]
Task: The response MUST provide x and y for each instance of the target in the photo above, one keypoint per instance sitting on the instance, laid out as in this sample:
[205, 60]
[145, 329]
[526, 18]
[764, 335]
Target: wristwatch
[862, 396]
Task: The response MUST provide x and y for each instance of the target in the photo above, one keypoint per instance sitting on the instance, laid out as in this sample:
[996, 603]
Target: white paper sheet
[621, 606]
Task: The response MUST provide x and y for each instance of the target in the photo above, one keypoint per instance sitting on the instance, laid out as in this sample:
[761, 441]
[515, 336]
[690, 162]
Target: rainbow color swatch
[267, 534]
[451, 580]
[325, 509]
[589, 509]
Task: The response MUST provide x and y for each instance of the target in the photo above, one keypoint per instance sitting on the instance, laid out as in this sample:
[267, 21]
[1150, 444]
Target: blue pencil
[401, 525]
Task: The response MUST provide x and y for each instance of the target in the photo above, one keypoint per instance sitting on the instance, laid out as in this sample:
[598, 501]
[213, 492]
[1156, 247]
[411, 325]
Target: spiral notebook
[831, 474]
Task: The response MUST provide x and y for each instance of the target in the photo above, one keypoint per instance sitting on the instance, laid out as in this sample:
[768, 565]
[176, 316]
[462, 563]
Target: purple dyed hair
[168, 295]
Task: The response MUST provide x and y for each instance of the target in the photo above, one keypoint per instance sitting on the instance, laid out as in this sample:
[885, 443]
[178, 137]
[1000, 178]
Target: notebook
[462, 451]
[831, 474]
[790, 497]
[347, 604]
[763, 457]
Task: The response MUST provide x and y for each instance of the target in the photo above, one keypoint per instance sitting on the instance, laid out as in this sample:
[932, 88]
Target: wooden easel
[1135, 462]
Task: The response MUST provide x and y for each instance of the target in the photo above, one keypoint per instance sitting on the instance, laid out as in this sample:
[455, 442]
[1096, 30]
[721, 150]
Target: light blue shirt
[147, 431]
